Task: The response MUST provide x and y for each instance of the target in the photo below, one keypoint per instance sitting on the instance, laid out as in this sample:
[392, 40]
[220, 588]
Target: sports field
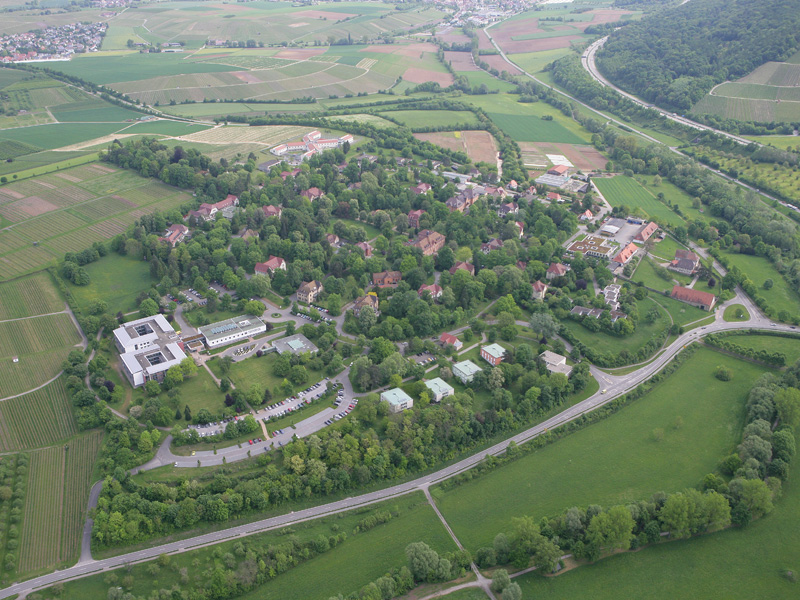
[39, 345]
[69, 210]
[624, 191]
[583, 468]
[37, 419]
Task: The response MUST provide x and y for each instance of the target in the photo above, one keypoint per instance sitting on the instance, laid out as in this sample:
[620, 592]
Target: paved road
[616, 386]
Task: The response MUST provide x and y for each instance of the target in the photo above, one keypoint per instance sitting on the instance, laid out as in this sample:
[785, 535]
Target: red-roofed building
[434, 289]
[332, 238]
[704, 300]
[272, 211]
[366, 248]
[269, 267]
[539, 290]
[492, 244]
[175, 234]
[369, 300]
[387, 278]
[512, 208]
[430, 242]
[413, 218]
[422, 188]
[449, 339]
[559, 170]
[312, 194]
[556, 270]
[626, 254]
[230, 200]
[646, 231]
[554, 196]
[586, 215]
[521, 226]
[462, 266]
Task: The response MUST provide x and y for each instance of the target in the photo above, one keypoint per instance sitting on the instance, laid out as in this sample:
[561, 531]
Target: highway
[613, 387]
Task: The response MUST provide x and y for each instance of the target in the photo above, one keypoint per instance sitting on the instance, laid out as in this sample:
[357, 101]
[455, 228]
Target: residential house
[465, 371]
[521, 226]
[512, 208]
[398, 400]
[539, 290]
[704, 300]
[413, 218]
[269, 267]
[422, 188]
[366, 247]
[685, 262]
[556, 270]
[439, 389]
[451, 340]
[555, 363]
[586, 215]
[492, 244]
[493, 354]
[370, 300]
[513, 185]
[462, 266]
[308, 291]
[387, 278]
[332, 239]
[430, 242]
[554, 197]
[175, 234]
[434, 289]
[272, 211]
[645, 232]
[626, 254]
[313, 193]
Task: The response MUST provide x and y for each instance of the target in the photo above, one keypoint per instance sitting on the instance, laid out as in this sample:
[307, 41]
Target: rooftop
[244, 324]
[296, 344]
[494, 350]
[396, 397]
[439, 386]
[467, 367]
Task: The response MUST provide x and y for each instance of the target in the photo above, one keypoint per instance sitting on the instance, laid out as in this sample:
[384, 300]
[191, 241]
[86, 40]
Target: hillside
[674, 57]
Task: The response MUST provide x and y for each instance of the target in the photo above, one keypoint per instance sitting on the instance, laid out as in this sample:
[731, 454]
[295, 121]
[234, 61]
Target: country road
[612, 388]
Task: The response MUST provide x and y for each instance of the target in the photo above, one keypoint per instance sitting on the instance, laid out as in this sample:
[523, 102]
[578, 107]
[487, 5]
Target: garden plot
[480, 146]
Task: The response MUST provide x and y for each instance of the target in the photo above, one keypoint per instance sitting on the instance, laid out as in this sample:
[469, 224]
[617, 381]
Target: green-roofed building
[439, 388]
[398, 400]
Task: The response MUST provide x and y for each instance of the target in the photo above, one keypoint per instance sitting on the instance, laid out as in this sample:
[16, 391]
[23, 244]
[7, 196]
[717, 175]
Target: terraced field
[37, 419]
[26, 296]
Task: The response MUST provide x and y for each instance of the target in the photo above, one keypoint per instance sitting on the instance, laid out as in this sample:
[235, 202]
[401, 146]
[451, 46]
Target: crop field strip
[37, 419]
[32, 295]
[621, 190]
[81, 458]
[40, 538]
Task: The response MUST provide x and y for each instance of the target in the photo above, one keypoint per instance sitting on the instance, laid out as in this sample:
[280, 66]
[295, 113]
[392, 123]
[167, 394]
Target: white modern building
[312, 143]
[555, 363]
[439, 388]
[465, 370]
[148, 347]
[237, 328]
[398, 400]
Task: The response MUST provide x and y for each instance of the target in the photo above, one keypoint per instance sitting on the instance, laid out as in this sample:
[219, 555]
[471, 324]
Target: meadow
[646, 274]
[40, 344]
[363, 557]
[524, 128]
[625, 191]
[68, 210]
[116, 280]
[736, 564]
[433, 118]
[790, 347]
[37, 419]
[781, 297]
[583, 468]
[55, 503]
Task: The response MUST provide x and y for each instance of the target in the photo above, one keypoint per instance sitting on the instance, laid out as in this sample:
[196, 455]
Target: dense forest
[673, 58]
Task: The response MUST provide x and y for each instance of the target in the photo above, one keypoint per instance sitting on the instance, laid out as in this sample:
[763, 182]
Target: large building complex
[148, 347]
[312, 143]
[230, 330]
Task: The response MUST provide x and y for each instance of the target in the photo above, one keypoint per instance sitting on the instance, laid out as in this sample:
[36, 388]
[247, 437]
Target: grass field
[55, 507]
[362, 558]
[40, 345]
[680, 312]
[523, 128]
[583, 468]
[733, 311]
[37, 419]
[758, 270]
[433, 118]
[32, 295]
[70, 209]
[624, 191]
[755, 557]
[665, 249]
[646, 274]
[479, 78]
[116, 280]
[787, 346]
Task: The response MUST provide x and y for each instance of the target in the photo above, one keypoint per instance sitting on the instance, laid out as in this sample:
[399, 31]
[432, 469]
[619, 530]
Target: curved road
[614, 387]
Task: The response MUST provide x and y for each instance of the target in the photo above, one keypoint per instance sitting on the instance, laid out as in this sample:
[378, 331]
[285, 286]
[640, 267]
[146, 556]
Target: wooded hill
[674, 57]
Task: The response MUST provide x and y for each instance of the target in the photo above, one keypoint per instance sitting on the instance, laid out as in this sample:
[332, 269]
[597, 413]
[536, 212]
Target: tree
[254, 307]
[544, 324]
[500, 580]
[787, 402]
[611, 529]
[423, 561]
[335, 305]
[512, 592]
[298, 375]
[152, 388]
[173, 377]
[148, 308]
[723, 373]
[674, 516]
[188, 367]
[187, 414]
[145, 443]
[225, 364]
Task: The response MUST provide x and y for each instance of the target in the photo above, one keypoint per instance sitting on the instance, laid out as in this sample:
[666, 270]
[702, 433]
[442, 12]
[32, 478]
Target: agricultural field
[583, 469]
[480, 78]
[433, 118]
[480, 146]
[116, 280]
[55, 503]
[624, 191]
[69, 210]
[526, 128]
[751, 553]
[27, 296]
[363, 557]
[39, 344]
[37, 419]
[770, 93]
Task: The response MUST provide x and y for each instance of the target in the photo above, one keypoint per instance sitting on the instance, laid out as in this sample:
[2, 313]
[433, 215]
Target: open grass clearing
[647, 275]
[758, 269]
[433, 118]
[735, 312]
[584, 468]
[116, 280]
[625, 191]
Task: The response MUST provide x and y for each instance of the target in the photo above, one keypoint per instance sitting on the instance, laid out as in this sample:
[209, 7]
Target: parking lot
[423, 358]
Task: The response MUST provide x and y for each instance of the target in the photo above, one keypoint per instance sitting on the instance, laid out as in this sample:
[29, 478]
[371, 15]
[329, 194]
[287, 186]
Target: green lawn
[259, 370]
[362, 558]
[677, 197]
[525, 128]
[433, 118]
[733, 311]
[615, 460]
[372, 232]
[533, 62]
[478, 78]
[58, 135]
[758, 269]
[115, 279]
[681, 312]
[646, 273]
[666, 248]
[735, 564]
[772, 343]
[198, 392]
[621, 190]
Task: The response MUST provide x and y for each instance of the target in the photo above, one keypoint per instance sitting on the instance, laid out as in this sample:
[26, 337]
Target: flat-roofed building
[398, 400]
[555, 363]
[466, 370]
[439, 388]
[493, 354]
[148, 347]
[230, 330]
[296, 344]
[591, 246]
